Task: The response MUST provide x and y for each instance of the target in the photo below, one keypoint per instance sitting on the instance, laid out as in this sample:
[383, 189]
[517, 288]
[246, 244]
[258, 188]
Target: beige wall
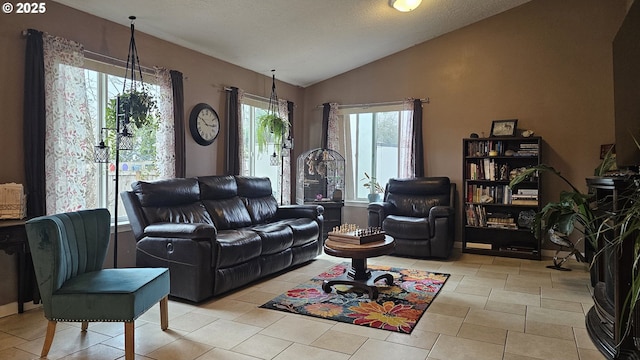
[547, 63]
[205, 79]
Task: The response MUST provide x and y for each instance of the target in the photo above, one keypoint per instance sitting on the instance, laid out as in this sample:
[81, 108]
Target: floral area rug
[398, 307]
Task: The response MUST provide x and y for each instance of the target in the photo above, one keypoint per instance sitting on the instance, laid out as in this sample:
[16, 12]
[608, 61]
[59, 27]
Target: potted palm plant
[374, 188]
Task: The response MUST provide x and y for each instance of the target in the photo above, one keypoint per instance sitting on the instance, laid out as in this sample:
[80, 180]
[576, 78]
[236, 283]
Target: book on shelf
[476, 245]
[532, 202]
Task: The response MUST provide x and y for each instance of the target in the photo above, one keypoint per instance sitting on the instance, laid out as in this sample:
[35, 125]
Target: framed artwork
[504, 127]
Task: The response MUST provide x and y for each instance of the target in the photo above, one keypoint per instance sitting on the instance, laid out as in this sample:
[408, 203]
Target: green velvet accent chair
[68, 252]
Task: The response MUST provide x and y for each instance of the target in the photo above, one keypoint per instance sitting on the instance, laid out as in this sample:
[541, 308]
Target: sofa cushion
[171, 200]
[167, 192]
[228, 213]
[406, 227]
[276, 237]
[304, 230]
[236, 246]
[217, 187]
[257, 197]
[219, 195]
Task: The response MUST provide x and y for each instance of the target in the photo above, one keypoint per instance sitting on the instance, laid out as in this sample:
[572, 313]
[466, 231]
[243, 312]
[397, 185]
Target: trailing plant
[145, 137]
[271, 128]
[140, 105]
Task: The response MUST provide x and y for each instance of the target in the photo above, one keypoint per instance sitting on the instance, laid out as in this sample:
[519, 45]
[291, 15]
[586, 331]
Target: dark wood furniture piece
[611, 278]
[332, 215]
[495, 222]
[13, 240]
[359, 276]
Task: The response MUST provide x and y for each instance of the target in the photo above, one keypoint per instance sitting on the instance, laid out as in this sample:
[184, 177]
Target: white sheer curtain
[405, 141]
[333, 133]
[165, 135]
[70, 172]
[283, 112]
[243, 153]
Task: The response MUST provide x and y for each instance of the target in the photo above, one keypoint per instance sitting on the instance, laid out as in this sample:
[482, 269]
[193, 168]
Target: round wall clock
[204, 124]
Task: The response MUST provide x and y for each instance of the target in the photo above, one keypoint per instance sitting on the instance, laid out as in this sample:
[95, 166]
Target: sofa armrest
[378, 211]
[181, 231]
[299, 211]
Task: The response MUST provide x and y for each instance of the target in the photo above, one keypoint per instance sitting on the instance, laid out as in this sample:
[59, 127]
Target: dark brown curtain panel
[34, 123]
[233, 133]
[178, 118]
[326, 108]
[418, 147]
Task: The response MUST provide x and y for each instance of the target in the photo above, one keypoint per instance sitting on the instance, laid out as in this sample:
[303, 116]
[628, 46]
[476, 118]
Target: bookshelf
[497, 221]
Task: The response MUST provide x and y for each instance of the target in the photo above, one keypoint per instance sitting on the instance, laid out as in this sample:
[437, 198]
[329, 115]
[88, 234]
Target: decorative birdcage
[320, 176]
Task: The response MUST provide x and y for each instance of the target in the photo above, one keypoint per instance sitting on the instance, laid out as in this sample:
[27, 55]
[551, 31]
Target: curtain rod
[398, 102]
[251, 96]
[106, 58]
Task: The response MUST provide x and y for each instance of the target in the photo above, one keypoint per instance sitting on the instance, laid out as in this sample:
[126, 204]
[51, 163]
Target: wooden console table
[13, 240]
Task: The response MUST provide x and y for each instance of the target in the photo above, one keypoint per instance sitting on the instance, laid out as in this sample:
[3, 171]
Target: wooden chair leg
[164, 313]
[85, 325]
[129, 336]
[48, 340]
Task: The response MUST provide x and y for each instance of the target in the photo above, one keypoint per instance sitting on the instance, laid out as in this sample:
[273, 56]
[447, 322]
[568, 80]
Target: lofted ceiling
[305, 41]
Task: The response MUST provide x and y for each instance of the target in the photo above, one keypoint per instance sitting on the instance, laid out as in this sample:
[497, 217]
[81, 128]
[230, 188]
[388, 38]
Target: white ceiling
[305, 41]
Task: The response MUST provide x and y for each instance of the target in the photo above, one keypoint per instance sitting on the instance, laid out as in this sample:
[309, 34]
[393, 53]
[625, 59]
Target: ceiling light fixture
[404, 5]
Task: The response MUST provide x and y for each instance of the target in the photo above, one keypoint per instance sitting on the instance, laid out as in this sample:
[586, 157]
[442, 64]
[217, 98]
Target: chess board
[353, 235]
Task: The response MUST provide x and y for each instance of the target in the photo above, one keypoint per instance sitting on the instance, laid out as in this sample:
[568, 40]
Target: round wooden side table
[359, 276]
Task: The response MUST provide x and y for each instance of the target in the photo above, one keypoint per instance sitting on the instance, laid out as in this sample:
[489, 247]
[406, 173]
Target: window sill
[355, 203]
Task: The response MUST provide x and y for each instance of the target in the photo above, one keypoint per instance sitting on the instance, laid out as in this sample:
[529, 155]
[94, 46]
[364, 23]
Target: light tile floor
[490, 308]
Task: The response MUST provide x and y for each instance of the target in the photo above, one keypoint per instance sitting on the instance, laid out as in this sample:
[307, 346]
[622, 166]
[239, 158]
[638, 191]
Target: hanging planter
[134, 106]
[271, 130]
[271, 127]
[139, 105]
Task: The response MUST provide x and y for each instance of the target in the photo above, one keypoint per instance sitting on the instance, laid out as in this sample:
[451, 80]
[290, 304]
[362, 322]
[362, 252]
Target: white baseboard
[12, 308]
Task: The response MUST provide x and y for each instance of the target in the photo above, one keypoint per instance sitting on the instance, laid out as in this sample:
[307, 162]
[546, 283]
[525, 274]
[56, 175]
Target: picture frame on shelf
[504, 127]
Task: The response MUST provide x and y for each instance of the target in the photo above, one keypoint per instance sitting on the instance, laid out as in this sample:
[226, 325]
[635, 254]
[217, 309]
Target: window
[136, 164]
[256, 162]
[372, 145]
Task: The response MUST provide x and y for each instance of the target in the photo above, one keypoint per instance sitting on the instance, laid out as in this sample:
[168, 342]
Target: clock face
[204, 124]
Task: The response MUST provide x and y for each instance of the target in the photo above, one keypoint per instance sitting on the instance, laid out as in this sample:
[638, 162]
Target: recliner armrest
[378, 211]
[439, 212]
[299, 211]
[181, 230]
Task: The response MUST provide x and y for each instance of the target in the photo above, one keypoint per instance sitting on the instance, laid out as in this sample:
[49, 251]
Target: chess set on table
[352, 234]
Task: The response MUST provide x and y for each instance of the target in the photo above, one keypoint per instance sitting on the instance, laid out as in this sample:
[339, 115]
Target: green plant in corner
[572, 207]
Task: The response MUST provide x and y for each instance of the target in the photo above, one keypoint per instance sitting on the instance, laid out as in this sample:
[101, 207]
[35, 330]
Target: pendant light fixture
[404, 5]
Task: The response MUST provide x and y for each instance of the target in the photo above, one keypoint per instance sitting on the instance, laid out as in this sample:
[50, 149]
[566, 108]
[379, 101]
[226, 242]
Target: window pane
[256, 162]
[373, 146]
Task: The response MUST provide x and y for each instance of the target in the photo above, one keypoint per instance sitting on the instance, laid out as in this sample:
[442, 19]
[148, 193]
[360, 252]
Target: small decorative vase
[375, 197]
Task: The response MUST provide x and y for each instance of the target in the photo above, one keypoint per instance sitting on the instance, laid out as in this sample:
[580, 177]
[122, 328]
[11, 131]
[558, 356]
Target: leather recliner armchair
[419, 213]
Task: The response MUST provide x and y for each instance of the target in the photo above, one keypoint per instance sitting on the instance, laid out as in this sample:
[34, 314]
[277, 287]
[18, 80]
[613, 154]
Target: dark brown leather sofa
[419, 214]
[218, 233]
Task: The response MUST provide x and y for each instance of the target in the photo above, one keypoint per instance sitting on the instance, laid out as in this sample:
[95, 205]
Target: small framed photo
[504, 127]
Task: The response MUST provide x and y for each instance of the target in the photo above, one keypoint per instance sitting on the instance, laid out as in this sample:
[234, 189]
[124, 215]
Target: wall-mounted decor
[504, 127]
[204, 124]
